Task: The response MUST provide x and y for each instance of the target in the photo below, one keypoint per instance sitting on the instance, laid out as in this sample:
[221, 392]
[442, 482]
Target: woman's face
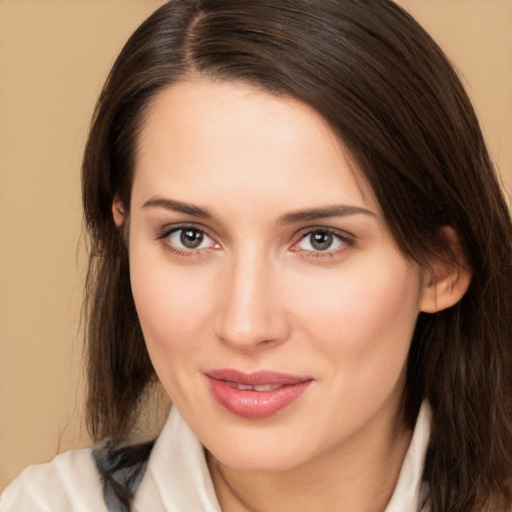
[277, 310]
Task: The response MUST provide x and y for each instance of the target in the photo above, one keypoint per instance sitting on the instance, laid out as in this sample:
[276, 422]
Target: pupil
[191, 238]
[321, 241]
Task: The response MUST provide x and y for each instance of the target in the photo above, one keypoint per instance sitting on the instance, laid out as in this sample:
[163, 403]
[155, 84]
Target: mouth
[248, 387]
[255, 395]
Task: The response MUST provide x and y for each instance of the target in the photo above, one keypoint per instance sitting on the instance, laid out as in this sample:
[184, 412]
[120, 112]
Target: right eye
[190, 239]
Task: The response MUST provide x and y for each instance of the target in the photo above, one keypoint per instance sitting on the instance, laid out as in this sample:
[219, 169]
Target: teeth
[248, 387]
[267, 387]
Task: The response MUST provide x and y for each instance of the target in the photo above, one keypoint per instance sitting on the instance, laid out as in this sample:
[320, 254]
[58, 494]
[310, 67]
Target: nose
[251, 313]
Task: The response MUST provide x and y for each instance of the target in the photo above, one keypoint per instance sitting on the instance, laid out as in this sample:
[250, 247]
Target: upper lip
[258, 378]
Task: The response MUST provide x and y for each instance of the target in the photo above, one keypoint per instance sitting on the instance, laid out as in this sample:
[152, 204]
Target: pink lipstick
[255, 395]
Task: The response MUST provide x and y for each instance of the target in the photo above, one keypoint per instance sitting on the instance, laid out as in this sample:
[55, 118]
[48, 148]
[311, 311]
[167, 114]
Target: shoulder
[70, 482]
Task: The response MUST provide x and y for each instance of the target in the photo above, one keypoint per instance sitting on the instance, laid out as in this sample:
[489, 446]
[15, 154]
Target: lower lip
[256, 404]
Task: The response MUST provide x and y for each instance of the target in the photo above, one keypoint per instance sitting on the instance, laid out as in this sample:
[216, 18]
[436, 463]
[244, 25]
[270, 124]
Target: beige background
[54, 56]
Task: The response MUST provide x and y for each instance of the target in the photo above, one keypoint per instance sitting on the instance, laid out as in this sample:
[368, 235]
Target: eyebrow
[177, 206]
[323, 213]
[289, 218]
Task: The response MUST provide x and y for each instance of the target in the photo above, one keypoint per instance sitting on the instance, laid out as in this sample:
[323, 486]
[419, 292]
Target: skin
[258, 294]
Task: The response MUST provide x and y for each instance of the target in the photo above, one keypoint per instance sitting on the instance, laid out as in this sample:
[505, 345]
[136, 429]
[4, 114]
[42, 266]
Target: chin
[259, 461]
[263, 450]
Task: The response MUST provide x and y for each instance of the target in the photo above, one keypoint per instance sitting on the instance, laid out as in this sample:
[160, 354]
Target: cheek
[173, 305]
[363, 327]
[364, 316]
[173, 311]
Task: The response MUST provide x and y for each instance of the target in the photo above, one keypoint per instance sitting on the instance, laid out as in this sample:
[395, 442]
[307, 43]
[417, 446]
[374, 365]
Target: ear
[118, 212]
[446, 282]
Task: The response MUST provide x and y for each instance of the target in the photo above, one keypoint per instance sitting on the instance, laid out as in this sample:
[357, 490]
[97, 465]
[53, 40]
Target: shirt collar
[177, 477]
[406, 495]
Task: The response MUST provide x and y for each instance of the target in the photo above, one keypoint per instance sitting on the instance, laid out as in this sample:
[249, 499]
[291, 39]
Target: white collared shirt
[176, 479]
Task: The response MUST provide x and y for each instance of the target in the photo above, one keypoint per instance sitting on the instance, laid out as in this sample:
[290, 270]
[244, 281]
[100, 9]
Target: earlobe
[118, 213]
[447, 281]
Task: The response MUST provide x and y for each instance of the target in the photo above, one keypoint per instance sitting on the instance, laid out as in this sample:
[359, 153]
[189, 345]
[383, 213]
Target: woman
[296, 228]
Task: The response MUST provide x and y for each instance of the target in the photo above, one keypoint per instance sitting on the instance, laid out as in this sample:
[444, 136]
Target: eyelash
[167, 232]
[345, 239]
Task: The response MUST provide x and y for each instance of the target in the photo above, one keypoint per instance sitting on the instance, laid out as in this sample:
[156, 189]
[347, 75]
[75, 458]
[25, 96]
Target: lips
[255, 395]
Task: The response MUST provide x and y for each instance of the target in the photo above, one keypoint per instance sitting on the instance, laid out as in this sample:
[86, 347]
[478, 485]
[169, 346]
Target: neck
[358, 475]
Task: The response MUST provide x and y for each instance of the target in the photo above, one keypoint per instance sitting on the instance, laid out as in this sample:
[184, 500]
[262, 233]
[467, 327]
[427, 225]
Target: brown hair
[387, 90]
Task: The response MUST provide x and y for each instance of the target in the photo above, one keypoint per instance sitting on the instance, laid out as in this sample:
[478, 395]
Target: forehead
[231, 135]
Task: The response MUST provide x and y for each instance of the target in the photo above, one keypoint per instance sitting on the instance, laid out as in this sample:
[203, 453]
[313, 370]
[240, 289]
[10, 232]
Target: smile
[248, 387]
[255, 395]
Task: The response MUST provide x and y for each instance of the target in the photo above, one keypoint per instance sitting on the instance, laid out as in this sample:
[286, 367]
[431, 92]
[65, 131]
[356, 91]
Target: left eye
[190, 238]
[320, 241]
